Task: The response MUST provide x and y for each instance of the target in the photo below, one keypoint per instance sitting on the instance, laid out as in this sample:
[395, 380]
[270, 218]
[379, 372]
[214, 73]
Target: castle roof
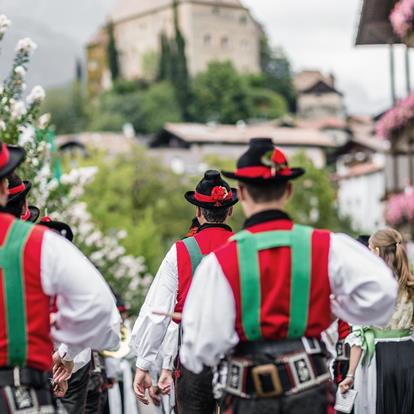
[126, 9]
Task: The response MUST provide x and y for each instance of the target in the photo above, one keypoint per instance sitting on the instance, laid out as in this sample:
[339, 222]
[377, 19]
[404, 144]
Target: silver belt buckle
[311, 345]
[236, 377]
[302, 372]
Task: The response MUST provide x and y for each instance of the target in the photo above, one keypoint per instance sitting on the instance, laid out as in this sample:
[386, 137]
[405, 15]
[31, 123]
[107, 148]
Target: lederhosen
[195, 391]
[279, 365]
[25, 346]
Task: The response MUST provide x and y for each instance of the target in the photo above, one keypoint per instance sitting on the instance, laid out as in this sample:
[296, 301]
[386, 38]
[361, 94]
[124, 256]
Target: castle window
[243, 19]
[207, 39]
[216, 10]
[225, 42]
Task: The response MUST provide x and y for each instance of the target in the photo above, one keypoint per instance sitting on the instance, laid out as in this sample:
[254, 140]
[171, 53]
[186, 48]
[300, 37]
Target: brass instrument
[124, 348]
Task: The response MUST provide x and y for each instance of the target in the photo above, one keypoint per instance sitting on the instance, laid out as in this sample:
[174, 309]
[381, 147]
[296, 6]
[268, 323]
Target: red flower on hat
[218, 193]
[278, 157]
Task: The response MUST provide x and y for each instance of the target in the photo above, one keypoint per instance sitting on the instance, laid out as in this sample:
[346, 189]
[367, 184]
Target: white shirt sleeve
[208, 318]
[169, 348]
[149, 329]
[82, 359]
[363, 287]
[87, 316]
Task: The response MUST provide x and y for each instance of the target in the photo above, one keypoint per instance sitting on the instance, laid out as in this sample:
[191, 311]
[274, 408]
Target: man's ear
[289, 191]
[198, 212]
[241, 192]
[4, 191]
[230, 212]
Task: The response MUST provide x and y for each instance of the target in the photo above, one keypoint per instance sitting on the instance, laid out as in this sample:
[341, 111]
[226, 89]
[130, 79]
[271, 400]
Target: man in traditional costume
[37, 265]
[270, 292]
[214, 199]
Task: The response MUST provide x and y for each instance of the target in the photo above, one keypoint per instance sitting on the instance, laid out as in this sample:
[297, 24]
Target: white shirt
[363, 292]
[149, 329]
[87, 316]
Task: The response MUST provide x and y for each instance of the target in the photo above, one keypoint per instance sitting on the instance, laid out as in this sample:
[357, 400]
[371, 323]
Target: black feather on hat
[212, 192]
[263, 163]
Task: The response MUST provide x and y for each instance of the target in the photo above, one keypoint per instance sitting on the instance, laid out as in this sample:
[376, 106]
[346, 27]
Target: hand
[165, 381]
[60, 389]
[154, 393]
[62, 370]
[346, 385]
[142, 382]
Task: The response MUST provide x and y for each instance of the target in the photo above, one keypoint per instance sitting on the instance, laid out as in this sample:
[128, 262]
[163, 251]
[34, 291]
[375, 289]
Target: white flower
[2, 123]
[20, 71]
[18, 109]
[26, 45]
[4, 23]
[44, 121]
[37, 95]
[27, 135]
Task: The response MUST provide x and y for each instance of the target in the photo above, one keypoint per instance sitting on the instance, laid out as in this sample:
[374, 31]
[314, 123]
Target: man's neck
[258, 208]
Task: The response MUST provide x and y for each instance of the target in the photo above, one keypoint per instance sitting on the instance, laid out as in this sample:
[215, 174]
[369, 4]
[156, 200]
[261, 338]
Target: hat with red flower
[57, 226]
[263, 163]
[212, 192]
[11, 157]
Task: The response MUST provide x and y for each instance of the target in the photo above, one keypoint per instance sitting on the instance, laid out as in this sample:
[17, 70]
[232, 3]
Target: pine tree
[112, 53]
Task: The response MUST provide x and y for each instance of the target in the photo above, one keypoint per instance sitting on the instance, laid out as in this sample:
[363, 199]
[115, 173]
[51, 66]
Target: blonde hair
[389, 243]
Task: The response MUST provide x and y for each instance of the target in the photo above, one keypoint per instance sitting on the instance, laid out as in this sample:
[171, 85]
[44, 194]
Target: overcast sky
[316, 34]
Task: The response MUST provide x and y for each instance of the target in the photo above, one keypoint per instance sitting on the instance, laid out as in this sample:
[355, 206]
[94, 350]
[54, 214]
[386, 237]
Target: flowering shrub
[396, 118]
[402, 18]
[21, 123]
[400, 207]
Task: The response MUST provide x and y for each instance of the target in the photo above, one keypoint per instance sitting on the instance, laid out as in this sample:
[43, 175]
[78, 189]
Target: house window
[225, 42]
[207, 40]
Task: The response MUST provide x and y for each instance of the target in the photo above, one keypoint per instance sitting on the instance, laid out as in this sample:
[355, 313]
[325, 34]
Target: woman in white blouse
[382, 360]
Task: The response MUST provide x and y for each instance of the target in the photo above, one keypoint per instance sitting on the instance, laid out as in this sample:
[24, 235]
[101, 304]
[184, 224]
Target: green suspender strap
[11, 264]
[299, 239]
[194, 251]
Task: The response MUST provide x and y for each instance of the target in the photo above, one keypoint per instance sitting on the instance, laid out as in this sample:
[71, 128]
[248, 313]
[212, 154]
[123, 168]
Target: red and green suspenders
[299, 239]
[12, 271]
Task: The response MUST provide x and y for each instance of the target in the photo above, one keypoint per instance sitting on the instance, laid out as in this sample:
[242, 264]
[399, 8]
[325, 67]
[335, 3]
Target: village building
[318, 97]
[214, 30]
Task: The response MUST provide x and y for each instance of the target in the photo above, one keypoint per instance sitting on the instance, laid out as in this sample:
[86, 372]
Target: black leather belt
[16, 377]
[281, 374]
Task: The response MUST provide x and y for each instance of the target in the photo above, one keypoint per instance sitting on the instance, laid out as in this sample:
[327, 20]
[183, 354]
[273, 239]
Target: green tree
[314, 198]
[277, 71]
[112, 53]
[147, 110]
[220, 94]
[266, 104]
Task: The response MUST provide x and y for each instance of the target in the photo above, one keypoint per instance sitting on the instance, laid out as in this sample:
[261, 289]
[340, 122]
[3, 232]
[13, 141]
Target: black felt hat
[58, 226]
[18, 189]
[263, 163]
[212, 192]
[10, 158]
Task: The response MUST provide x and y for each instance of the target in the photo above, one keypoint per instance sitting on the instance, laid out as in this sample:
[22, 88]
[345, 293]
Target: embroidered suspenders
[195, 253]
[299, 239]
[12, 279]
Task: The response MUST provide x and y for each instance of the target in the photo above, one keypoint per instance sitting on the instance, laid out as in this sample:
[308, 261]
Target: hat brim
[293, 175]
[16, 157]
[22, 194]
[190, 197]
[34, 214]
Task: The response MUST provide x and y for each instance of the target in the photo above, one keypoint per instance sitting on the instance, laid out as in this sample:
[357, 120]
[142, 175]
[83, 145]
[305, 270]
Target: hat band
[15, 190]
[4, 156]
[210, 199]
[261, 172]
[25, 216]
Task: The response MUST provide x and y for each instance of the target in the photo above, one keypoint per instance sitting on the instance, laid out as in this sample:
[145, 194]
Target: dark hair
[15, 208]
[264, 193]
[217, 215]
[389, 243]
